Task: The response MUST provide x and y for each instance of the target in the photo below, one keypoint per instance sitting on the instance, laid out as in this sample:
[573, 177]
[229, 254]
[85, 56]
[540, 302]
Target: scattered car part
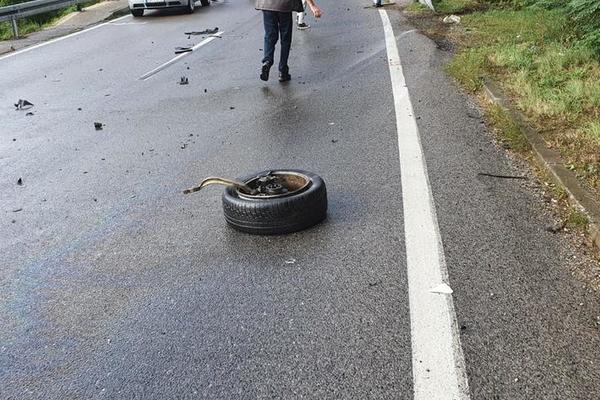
[272, 202]
[204, 32]
[183, 80]
[98, 125]
[23, 105]
[179, 50]
[20, 181]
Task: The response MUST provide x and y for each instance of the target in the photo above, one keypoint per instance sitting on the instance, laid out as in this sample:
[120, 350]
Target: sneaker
[302, 26]
[284, 76]
[264, 71]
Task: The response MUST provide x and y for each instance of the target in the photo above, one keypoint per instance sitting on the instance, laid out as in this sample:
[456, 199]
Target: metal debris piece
[183, 80]
[29, 114]
[221, 181]
[23, 105]
[204, 32]
[98, 125]
[20, 182]
[179, 50]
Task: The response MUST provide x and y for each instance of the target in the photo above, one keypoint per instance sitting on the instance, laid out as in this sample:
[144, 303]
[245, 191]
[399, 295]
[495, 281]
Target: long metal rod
[221, 181]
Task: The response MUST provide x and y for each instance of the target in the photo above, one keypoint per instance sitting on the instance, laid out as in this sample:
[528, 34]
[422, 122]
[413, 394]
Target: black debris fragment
[204, 32]
[20, 182]
[78, 108]
[205, 90]
[334, 141]
[232, 108]
[23, 105]
[183, 80]
[502, 176]
[98, 126]
[179, 50]
[17, 210]
[29, 114]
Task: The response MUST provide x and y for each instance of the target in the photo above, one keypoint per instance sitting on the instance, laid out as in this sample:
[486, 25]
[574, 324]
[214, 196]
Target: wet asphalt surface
[115, 285]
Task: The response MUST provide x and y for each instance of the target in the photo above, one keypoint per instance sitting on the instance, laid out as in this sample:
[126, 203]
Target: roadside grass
[417, 7]
[552, 80]
[577, 219]
[507, 130]
[456, 6]
[38, 22]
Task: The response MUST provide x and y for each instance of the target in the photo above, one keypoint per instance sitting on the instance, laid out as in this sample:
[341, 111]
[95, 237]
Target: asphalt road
[115, 285]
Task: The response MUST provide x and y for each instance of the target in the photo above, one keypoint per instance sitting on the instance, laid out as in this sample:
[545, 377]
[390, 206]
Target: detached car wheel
[293, 200]
[137, 12]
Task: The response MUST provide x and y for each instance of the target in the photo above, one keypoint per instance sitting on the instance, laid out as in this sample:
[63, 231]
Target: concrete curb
[551, 160]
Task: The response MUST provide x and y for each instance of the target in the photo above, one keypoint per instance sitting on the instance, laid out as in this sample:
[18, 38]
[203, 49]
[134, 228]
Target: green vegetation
[577, 219]
[34, 23]
[508, 131]
[545, 55]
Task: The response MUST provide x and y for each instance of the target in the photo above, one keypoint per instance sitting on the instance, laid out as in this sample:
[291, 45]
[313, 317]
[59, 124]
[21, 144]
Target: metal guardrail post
[15, 28]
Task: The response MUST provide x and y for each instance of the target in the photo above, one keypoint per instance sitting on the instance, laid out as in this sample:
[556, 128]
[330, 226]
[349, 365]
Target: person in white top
[301, 24]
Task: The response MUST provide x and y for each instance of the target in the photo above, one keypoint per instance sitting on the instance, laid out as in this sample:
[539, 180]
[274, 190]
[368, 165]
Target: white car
[137, 7]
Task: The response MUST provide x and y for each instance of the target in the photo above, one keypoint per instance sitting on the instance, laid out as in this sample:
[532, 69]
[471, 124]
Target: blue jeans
[276, 24]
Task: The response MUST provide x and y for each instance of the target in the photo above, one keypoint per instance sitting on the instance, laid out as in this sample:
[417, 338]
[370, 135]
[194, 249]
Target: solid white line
[58, 39]
[437, 358]
[149, 74]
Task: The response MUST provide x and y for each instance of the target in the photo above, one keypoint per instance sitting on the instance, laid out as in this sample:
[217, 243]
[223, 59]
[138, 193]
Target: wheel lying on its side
[290, 201]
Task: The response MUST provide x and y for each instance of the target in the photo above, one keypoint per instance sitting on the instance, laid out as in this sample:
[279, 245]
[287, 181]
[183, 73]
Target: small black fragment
[20, 182]
[23, 104]
[98, 125]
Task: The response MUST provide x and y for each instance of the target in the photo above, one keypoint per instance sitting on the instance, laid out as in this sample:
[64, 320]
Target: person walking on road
[301, 24]
[278, 22]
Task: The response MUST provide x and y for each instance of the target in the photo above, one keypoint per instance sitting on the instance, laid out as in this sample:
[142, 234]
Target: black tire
[190, 7]
[279, 215]
[205, 3]
[138, 12]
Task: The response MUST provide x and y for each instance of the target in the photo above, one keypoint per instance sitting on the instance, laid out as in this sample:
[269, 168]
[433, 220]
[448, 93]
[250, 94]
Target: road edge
[550, 159]
[112, 15]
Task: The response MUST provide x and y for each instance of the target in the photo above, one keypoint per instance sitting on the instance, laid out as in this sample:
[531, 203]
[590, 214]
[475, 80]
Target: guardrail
[21, 10]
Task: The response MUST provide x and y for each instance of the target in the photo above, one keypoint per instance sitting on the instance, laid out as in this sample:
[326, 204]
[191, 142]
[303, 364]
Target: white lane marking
[149, 74]
[58, 39]
[437, 358]
[128, 23]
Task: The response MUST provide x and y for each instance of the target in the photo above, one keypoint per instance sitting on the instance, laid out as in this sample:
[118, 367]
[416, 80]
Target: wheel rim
[293, 182]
